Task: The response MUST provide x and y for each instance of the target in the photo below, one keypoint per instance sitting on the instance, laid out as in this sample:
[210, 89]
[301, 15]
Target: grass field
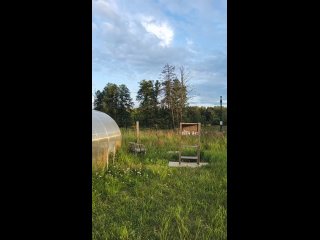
[140, 197]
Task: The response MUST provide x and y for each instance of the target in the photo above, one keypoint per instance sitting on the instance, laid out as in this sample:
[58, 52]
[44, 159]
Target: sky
[133, 39]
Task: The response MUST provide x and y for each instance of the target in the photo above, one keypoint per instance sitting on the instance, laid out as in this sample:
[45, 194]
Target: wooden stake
[138, 133]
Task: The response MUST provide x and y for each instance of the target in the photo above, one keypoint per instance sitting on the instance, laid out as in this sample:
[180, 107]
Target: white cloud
[106, 7]
[190, 46]
[94, 26]
[189, 42]
[162, 31]
[133, 41]
[108, 26]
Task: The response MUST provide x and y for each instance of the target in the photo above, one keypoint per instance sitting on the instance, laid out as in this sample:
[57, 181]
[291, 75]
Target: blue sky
[133, 39]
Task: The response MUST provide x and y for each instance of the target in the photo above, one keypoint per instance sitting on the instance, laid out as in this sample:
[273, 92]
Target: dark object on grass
[137, 147]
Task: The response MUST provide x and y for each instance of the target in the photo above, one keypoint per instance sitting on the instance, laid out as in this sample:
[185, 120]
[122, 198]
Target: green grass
[140, 197]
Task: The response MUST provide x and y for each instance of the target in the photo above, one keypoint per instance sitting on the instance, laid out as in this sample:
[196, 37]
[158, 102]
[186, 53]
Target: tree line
[163, 103]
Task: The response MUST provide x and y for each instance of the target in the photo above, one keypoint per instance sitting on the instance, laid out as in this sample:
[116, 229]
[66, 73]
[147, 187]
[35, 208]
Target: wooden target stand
[190, 136]
[187, 131]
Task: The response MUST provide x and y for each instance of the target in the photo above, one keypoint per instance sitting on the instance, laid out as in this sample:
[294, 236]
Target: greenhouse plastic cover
[103, 126]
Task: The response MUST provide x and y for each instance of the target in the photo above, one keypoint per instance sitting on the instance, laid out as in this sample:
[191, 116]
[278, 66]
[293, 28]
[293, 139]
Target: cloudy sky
[133, 39]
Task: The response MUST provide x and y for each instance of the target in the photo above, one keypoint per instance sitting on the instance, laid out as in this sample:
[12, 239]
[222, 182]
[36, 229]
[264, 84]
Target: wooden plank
[184, 164]
[189, 157]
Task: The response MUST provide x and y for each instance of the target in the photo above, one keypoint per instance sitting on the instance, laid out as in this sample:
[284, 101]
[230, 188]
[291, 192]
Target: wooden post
[138, 133]
[180, 145]
[199, 143]
[221, 123]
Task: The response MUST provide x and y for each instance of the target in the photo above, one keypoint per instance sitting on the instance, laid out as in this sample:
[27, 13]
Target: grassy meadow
[140, 197]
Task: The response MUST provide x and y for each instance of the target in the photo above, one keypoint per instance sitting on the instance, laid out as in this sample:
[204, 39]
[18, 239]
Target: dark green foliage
[162, 104]
[124, 107]
[116, 102]
[148, 97]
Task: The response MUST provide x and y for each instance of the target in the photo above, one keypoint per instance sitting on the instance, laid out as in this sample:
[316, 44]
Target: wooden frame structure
[190, 130]
[137, 147]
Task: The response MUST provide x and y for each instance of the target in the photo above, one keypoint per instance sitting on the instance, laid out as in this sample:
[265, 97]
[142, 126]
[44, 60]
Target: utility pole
[221, 123]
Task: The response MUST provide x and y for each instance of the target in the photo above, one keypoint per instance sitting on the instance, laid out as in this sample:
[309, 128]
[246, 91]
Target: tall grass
[140, 197]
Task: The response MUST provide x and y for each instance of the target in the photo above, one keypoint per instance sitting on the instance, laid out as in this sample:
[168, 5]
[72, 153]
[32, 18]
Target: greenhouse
[106, 139]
